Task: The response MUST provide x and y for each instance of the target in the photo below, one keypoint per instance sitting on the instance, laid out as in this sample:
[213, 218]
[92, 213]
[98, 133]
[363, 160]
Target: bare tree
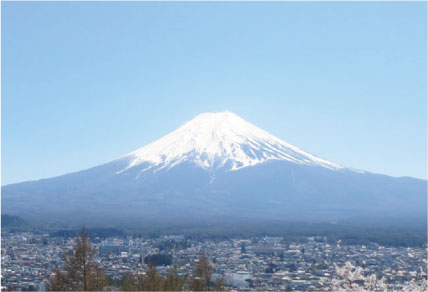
[81, 270]
[204, 270]
[173, 281]
[57, 282]
[202, 275]
[131, 282]
[152, 281]
[220, 283]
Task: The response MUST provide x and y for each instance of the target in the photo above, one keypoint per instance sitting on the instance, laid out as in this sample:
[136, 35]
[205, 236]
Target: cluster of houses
[268, 263]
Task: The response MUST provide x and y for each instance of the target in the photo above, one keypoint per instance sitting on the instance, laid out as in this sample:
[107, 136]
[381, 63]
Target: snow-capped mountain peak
[221, 139]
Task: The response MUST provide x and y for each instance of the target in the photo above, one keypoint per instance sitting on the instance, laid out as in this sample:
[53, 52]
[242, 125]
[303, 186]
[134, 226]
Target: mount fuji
[217, 166]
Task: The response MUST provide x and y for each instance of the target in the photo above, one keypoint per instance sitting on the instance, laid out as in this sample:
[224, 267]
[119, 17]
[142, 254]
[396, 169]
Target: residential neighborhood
[266, 263]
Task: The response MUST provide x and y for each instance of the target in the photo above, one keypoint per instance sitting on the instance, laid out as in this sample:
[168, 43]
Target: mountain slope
[214, 140]
[217, 166]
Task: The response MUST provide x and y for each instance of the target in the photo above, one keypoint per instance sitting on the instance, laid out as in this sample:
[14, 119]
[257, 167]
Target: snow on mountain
[294, 185]
[220, 140]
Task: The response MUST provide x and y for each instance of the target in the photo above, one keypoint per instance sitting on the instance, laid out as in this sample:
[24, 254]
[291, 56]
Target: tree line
[81, 272]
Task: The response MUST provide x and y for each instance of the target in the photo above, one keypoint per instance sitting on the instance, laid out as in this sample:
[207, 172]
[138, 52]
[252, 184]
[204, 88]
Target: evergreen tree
[243, 249]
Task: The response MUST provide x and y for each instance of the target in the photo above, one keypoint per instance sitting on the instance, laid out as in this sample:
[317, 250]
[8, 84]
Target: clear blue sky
[85, 83]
